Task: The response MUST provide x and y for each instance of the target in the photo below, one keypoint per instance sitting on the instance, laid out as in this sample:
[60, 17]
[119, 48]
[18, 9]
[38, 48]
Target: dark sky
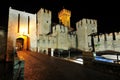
[106, 13]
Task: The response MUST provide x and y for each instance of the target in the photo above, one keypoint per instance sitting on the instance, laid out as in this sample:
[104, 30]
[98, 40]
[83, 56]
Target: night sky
[106, 13]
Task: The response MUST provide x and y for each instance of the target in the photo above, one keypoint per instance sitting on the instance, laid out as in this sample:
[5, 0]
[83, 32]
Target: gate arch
[22, 43]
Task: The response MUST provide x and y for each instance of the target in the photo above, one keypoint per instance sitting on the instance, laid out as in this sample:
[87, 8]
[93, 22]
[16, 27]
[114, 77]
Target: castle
[27, 31]
[106, 41]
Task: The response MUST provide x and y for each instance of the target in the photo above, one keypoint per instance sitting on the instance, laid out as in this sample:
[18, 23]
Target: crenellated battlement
[86, 23]
[90, 21]
[44, 21]
[106, 41]
[72, 36]
[44, 11]
[109, 36]
[60, 28]
[61, 36]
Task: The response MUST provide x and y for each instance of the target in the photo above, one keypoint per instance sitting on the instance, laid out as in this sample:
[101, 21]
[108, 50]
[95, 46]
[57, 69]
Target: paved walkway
[43, 67]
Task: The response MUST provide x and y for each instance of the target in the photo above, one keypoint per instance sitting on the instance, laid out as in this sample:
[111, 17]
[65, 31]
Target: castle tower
[21, 32]
[85, 27]
[64, 17]
[43, 21]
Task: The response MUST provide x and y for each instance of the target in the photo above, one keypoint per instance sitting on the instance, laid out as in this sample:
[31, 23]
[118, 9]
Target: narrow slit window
[28, 24]
[18, 23]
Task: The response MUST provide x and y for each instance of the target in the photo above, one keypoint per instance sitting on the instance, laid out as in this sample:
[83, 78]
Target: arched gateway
[21, 32]
[22, 43]
[19, 43]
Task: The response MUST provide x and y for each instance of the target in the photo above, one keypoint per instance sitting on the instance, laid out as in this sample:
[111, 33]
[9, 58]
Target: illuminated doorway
[19, 43]
[22, 43]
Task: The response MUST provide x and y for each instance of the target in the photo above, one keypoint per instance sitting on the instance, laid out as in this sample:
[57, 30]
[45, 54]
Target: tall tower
[21, 32]
[43, 21]
[85, 27]
[64, 17]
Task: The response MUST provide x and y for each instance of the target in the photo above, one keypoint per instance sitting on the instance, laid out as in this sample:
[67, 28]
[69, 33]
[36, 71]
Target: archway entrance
[19, 43]
[22, 43]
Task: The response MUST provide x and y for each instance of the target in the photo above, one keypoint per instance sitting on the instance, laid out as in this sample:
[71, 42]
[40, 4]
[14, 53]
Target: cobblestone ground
[42, 67]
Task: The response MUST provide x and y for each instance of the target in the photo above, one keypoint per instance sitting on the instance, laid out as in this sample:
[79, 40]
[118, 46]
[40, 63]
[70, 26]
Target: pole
[69, 53]
[117, 58]
[92, 41]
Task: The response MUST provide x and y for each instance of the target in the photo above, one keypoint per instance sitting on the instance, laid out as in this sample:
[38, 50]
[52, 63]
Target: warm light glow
[23, 31]
[64, 17]
[25, 41]
[20, 56]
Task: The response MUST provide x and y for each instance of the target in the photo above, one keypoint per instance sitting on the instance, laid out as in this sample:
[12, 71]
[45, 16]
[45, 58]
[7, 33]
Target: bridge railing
[18, 70]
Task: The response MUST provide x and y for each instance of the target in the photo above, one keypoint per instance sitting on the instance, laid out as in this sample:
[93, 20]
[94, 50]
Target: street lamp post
[69, 54]
[117, 58]
[92, 43]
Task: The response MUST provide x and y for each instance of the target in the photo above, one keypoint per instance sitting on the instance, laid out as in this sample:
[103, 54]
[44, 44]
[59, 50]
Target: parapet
[60, 28]
[44, 11]
[86, 22]
[110, 34]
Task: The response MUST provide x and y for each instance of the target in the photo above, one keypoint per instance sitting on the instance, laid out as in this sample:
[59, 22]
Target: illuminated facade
[85, 27]
[64, 17]
[21, 29]
[43, 21]
[34, 32]
[107, 42]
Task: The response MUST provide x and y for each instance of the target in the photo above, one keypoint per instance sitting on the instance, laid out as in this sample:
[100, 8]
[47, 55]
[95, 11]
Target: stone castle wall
[85, 28]
[58, 39]
[107, 42]
[18, 25]
[72, 40]
[46, 42]
[37, 27]
[44, 21]
[61, 33]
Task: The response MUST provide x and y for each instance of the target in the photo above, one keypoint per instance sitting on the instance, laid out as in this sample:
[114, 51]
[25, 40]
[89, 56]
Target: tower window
[18, 23]
[28, 24]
